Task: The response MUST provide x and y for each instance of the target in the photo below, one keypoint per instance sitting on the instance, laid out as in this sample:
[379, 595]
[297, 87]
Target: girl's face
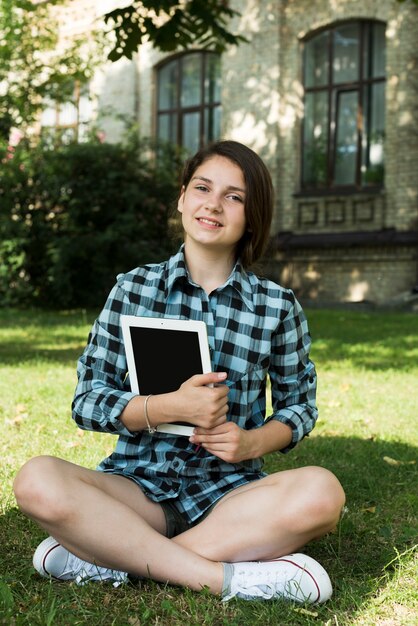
[212, 205]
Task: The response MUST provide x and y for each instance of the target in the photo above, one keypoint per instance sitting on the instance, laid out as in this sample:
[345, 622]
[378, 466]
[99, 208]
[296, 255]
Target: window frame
[203, 108]
[57, 130]
[334, 90]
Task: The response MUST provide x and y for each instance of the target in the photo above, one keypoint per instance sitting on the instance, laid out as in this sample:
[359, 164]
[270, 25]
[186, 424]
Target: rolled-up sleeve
[293, 375]
[102, 391]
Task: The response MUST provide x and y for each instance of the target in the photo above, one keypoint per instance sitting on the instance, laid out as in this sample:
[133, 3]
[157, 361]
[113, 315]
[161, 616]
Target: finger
[220, 429]
[212, 378]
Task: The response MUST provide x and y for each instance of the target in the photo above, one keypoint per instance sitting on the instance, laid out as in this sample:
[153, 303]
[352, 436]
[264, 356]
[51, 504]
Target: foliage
[74, 217]
[171, 25]
[31, 66]
[366, 434]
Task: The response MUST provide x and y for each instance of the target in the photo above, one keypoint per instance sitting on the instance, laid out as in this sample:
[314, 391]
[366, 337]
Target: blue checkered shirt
[257, 331]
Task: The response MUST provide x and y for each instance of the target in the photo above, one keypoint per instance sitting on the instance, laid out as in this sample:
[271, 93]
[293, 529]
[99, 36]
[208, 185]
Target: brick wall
[338, 275]
[263, 106]
[262, 100]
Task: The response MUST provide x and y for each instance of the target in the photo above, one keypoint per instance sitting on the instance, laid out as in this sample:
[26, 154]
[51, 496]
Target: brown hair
[258, 198]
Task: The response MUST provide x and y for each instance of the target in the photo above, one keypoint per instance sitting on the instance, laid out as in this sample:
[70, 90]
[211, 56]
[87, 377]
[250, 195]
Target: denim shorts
[176, 523]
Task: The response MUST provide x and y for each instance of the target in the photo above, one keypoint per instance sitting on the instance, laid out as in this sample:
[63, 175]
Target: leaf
[170, 26]
[395, 462]
[369, 509]
[306, 612]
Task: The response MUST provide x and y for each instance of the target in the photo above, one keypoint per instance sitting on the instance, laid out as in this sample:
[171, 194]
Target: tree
[171, 25]
[30, 65]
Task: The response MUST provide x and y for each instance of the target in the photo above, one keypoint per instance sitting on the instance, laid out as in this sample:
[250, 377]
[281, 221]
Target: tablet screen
[164, 358]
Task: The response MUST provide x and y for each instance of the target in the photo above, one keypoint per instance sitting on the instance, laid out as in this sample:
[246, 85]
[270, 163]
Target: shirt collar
[239, 280]
[176, 269]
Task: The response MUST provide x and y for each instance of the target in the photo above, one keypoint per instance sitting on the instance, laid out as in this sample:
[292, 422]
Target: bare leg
[269, 518]
[105, 519]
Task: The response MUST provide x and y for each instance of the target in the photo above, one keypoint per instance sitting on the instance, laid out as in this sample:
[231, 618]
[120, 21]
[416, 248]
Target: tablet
[161, 354]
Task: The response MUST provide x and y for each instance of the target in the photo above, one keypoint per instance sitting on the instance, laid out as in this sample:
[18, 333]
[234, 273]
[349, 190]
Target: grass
[367, 435]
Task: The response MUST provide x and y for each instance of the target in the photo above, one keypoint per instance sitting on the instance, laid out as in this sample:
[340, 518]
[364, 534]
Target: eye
[235, 198]
[201, 187]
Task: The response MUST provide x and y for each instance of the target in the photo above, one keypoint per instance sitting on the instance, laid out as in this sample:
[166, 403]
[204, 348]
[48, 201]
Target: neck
[208, 268]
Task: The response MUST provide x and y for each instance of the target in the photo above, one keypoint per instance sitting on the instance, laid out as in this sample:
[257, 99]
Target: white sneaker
[51, 559]
[295, 577]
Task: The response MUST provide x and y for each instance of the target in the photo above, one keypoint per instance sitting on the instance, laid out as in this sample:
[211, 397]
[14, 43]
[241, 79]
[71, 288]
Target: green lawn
[367, 435]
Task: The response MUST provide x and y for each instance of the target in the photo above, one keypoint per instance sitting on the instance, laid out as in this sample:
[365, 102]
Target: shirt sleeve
[293, 376]
[103, 391]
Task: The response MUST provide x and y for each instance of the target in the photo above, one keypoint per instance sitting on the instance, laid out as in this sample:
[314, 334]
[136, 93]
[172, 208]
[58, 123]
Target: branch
[171, 25]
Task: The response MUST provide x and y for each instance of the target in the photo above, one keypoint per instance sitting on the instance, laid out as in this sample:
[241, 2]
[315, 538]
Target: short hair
[259, 195]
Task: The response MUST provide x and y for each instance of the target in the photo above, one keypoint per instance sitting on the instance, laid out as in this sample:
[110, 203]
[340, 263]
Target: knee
[32, 487]
[326, 496]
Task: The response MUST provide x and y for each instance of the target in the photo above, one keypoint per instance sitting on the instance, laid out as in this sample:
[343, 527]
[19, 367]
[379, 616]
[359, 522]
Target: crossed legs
[106, 519]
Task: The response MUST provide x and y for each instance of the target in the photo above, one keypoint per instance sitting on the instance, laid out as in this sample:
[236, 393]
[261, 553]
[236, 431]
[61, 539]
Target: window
[343, 129]
[64, 122]
[188, 100]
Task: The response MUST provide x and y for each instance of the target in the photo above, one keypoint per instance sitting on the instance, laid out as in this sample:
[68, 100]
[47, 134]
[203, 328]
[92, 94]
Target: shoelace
[264, 591]
[85, 571]
[256, 586]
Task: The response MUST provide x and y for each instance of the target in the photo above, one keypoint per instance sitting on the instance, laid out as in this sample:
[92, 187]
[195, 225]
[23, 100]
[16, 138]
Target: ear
[181, 200]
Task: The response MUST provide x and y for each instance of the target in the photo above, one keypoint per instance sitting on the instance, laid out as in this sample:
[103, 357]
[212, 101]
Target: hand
[198, 404]
[227, 441]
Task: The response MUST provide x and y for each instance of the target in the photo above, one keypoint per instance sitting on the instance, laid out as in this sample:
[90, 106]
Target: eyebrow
[208, 180]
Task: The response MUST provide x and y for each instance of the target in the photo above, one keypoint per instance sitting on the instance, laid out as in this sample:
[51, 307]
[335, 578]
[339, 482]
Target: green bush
[73, 217]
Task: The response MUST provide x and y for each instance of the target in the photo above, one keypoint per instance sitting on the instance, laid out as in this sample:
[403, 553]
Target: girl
[198, 511]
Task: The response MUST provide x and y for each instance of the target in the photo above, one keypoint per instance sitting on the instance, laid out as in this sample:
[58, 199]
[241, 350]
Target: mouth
[209, 222]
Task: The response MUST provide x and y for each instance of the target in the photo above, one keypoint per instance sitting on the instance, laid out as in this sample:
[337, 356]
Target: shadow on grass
[380, 518]
[33, 351]
[376, 341]
[379, 478]
[36, 335]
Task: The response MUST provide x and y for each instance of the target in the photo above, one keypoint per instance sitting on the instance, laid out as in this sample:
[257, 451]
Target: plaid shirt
[256, 329]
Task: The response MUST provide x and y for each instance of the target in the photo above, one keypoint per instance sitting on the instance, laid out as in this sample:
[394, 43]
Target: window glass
[49, 114]
[213, 79]
[372, 167]
[344, 108]
[189, 90]
[191, 80]
[212, 123]
[378, 50]
[346, 138]
[167, 127]
[68, 114]
[191, 132]
[167, 86]
[346, 53]
[65, 122]
[85, 112]
[316, 63]
[315, 138]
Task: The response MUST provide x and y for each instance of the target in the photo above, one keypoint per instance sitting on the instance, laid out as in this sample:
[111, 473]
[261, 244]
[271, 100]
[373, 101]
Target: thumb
[209, 379]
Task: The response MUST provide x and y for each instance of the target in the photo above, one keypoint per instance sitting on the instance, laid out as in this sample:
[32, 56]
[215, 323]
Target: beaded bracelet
[150, 428]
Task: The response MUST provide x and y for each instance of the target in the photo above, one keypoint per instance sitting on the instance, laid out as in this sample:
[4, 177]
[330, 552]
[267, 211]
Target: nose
[213, 204]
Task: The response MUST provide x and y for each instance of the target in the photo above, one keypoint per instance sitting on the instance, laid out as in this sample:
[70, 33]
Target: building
[326, 92]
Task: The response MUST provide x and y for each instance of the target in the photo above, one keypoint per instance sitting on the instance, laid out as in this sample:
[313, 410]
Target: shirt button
[176, 463]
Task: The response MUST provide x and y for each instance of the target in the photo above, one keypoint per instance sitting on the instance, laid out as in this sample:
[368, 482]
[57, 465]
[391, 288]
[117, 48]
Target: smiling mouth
[203, 220]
